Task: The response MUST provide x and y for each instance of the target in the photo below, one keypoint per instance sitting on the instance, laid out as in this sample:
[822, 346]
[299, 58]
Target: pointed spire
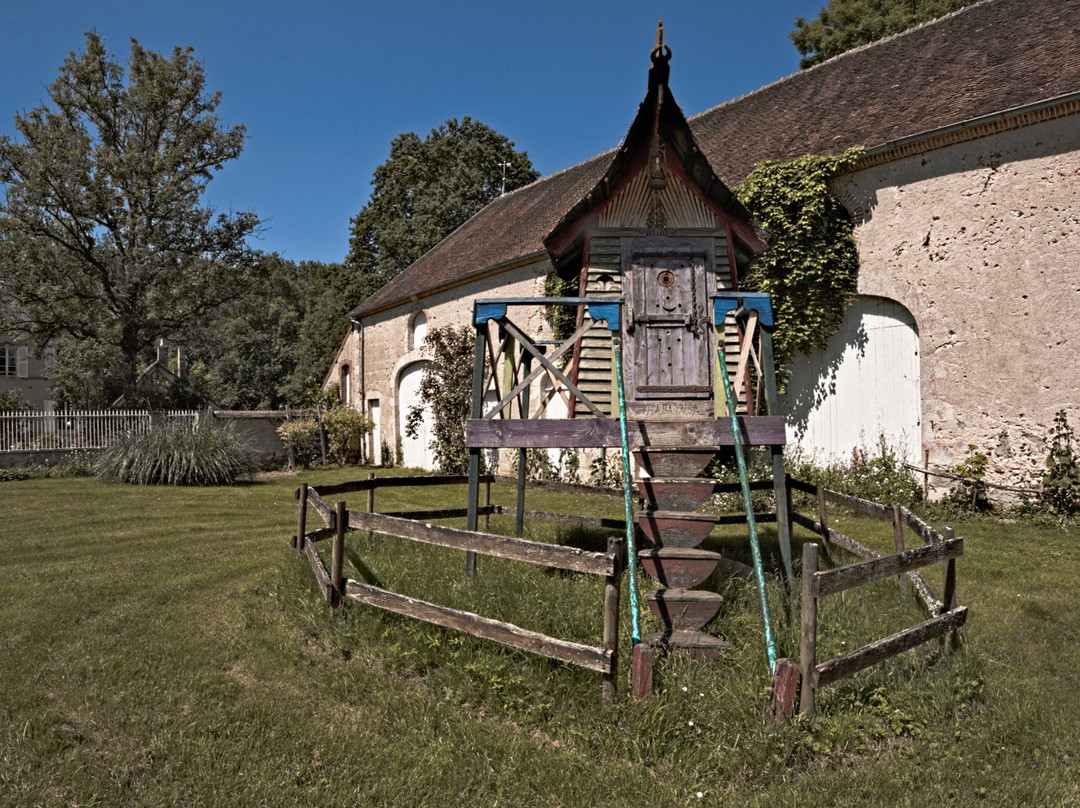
[660, 55]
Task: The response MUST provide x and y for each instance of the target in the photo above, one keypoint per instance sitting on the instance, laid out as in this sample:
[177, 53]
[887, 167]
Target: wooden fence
[77, 429]
[337, 520]
[945, 617]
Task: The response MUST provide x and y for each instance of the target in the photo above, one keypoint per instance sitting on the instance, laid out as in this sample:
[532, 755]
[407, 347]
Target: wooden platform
[581, 433]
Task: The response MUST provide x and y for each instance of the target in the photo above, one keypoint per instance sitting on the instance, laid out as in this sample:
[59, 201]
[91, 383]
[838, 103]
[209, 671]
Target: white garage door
[864, 384]
[415, 451]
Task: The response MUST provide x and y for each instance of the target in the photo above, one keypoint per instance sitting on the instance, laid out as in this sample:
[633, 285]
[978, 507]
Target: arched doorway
[863, 385]
[415, 451]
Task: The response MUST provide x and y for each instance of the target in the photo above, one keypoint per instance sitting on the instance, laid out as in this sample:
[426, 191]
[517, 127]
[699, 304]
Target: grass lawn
[163, 646]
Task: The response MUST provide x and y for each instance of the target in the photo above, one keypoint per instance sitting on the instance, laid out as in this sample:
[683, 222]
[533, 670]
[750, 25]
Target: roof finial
[660, 55]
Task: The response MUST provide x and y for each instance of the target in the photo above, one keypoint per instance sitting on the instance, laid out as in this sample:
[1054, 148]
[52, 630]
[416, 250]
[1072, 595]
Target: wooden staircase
[673, 531]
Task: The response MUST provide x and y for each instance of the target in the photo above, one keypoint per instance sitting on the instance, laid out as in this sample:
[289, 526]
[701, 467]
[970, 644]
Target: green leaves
[811, 269]
[847, 24]
[101, 227]
[427, 188]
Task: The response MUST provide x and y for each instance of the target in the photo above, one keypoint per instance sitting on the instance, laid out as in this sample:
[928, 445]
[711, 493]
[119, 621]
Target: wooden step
[681, 609]
[675, 528]
[674, 461]
[679, 567]
[700, 645]
[686, 494]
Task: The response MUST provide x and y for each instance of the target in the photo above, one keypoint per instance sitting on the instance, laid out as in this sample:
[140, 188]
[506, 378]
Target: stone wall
[981, 242]
[383, 347]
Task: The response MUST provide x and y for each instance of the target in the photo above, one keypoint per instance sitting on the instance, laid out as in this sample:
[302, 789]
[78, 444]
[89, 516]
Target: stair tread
[684, 596]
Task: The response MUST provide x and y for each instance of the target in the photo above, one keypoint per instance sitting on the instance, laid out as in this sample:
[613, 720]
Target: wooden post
[823, 518]
[337, 555]
[301, 519]
[776, 454]
[808, 630]
[611, 618]
[898, 543]
[474, 453]
[523, 454]
[487, 506]
[948, 596]
[371, 498]
[641, 678]
[926, 476]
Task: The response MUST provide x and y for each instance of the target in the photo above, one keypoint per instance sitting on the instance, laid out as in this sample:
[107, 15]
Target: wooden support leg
[642, 674]
[785, 688]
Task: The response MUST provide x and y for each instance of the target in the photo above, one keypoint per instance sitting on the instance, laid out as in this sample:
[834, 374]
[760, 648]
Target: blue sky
[323, 87]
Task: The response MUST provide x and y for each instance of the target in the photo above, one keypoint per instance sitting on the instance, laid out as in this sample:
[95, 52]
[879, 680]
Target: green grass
[163, 646]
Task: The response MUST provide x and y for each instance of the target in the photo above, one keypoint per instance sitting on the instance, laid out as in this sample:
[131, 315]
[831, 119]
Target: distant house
[967, 217]
[21, 370]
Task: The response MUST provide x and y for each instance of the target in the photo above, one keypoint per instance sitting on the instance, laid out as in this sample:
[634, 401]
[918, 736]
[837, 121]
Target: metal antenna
[505, 166]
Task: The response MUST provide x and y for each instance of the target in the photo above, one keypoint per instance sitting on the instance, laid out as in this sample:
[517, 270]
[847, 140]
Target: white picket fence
[78, 429]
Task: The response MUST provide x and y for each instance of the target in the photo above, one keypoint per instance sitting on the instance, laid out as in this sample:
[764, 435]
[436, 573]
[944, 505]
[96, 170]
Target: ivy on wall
[562, 319]
[812, 267]
[446, 388]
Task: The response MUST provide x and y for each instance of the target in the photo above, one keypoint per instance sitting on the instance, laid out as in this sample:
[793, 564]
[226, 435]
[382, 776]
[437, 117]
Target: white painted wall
[864, 384]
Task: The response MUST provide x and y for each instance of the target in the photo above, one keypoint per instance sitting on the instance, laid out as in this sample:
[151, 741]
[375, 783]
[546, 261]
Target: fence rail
[70, 430]
[334, 585]
[935, 548]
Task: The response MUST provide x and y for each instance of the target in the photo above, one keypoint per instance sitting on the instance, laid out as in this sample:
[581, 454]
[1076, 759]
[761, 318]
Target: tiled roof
[989, 57]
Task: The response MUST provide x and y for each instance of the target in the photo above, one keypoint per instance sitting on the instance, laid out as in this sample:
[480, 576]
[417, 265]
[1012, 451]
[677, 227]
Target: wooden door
[669, 333]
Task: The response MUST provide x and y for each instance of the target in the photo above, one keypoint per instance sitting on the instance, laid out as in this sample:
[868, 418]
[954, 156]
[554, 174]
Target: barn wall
[387, 347]
[981, 242]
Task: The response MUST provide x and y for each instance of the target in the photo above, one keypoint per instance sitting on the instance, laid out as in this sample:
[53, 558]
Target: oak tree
[104, 237]
[428, 188]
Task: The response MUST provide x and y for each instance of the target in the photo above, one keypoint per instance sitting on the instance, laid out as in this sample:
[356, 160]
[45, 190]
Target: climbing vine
[562, 319]
[812, 267]
[446, 388]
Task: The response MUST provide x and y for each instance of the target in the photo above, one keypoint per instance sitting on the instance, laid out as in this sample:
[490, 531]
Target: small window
[10, 360]
[417, 330]
[345, 386]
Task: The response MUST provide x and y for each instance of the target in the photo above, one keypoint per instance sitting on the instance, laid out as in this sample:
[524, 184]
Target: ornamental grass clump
[178, 454]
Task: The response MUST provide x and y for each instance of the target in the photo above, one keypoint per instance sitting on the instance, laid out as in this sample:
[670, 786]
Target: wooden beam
[841, 667]
[529, 552]
[877, 569]
[766, 430]
[585, 656]
[863, 506]
[322, 506]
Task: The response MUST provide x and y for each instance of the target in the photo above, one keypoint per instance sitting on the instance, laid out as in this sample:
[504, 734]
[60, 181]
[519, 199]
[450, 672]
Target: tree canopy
[428, 188]
[103, 236]
[847, 24]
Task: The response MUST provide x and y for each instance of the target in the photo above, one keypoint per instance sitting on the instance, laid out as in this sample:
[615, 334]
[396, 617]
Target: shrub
[1061, 484]
[877, 474]
[343, 425]
[969, 495]
[178, 454]
[301, 437]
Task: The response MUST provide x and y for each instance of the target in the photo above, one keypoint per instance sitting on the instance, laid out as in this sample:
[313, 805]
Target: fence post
[948, 596]
[611, 618]
[337, 557]
[487, 506]
[898, 542]
[823, 518]
[808, 629]
[371, 498]
[301, 518]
